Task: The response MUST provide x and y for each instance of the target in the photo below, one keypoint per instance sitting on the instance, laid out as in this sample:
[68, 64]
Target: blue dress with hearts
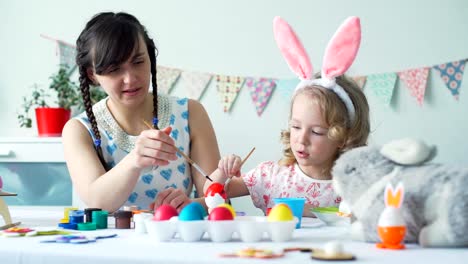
[116, 144]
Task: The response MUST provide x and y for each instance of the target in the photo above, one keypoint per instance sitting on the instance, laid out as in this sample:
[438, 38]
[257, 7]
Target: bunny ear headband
[339, 55]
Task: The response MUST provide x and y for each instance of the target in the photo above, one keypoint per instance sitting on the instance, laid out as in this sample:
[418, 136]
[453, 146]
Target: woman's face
[309, 141]
[127, 83]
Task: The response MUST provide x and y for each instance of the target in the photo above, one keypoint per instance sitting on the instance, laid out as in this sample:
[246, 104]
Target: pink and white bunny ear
[342, 48]
[292, 49]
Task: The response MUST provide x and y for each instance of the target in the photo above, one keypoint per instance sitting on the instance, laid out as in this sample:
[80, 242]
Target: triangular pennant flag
[260, 91]
[195, 83]
[67, 55]
[416, 81]
[228, 88]
[382, 85]
[286, 88]
[166, 78]
[452, 75]
[360, 80]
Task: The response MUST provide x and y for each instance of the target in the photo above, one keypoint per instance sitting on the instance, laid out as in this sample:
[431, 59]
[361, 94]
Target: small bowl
[329, 215]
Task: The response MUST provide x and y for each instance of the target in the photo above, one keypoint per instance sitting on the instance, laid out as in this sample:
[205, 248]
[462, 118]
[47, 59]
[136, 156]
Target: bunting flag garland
[166, 78]
[286, 88]
[416, 81]
[360, 80]
[261, 90]
[67, 55]
[452, 75]
[228, 88]
[382, 85]
[195, 83]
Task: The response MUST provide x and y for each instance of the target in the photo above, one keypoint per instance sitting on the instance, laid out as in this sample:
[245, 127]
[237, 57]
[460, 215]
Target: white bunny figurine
[391, 226]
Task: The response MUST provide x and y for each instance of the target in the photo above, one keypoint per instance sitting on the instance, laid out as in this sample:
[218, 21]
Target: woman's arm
[109, 190]
[203, 144]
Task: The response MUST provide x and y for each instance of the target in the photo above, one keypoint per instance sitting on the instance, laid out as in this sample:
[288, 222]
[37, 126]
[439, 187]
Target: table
[130, 247]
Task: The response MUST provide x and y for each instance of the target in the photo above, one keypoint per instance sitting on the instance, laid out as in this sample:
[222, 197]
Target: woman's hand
[230, 166]
[173, 197]
[153, 147]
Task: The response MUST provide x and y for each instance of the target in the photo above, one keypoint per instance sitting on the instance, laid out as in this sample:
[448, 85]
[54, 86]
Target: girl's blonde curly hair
[350, 135]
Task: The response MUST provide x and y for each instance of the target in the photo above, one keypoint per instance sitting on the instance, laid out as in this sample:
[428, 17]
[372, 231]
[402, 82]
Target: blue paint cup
[296, 205]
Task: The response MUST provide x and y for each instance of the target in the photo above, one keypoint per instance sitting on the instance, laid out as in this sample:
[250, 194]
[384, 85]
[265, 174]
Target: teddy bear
[435, 207]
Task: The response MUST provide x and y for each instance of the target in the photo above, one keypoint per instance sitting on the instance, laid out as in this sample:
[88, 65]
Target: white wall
[235, 37]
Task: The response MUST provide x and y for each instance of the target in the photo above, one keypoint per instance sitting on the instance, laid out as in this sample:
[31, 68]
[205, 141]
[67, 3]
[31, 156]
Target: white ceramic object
[140, 224]
[332, 218]
[160, 230]
[191, 231]
[221, 231]
[249, 229]
[282, 231]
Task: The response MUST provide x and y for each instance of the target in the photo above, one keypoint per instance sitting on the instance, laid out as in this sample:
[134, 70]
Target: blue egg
[201, 208]
[191, 212]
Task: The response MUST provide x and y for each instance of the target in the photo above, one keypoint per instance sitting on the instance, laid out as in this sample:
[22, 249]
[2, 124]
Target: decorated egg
[191, 212]
[228, 206]
[220, 214]
[215, 188]
[280, 212]
[164, 212]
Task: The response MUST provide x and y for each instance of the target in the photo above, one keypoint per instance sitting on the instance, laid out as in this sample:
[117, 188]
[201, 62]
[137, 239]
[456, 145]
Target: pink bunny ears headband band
[339, 55]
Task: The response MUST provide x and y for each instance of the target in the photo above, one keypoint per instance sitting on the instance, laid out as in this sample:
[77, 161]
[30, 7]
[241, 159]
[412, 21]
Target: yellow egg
[228, 206]
[280, 212]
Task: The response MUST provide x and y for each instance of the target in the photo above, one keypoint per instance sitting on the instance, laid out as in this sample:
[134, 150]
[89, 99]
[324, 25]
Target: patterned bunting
[286, 88]
[360, 80]
[452, 75]
[228, 88]
[67, 55]
[260, 91]
[166, 78]
[416, 81]
[382, 85]
[195, 83]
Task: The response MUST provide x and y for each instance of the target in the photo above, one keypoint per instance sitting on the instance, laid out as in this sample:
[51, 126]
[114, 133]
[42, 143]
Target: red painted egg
[164, 212]
[215, 188]
[220, 214]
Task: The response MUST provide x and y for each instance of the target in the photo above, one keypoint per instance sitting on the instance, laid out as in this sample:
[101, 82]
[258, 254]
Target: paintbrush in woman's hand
[193, 163]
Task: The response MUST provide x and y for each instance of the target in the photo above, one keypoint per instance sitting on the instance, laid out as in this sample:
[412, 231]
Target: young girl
[113, 159]
[328, 116]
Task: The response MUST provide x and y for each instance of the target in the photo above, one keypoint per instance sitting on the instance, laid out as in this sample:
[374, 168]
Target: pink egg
[220, 214]
[164, 212]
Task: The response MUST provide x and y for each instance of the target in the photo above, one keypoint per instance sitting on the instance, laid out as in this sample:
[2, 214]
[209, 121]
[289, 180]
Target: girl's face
[127, 83]
[309, 141]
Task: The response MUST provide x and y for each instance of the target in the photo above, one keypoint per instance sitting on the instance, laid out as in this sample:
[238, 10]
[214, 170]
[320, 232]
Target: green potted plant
[50, 120]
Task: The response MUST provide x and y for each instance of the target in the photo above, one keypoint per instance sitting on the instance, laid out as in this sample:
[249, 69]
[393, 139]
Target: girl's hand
[173, 197]
[153, 147]
[230, 166]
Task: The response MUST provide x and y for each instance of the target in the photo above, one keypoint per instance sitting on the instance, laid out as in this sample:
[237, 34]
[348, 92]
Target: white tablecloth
[130, 247]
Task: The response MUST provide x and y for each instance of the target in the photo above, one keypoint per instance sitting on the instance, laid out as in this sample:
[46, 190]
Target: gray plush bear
[435, 206]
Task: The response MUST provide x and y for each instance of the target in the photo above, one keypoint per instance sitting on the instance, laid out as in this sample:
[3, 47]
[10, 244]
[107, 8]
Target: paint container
[100, 218]
[123, 219]
[76, 216]
[89, 214]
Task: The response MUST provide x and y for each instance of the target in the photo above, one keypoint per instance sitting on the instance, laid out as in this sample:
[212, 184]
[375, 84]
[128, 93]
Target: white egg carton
[248, 229]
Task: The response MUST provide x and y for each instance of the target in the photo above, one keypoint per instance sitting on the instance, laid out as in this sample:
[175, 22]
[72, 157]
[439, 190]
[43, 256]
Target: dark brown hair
[108, 40]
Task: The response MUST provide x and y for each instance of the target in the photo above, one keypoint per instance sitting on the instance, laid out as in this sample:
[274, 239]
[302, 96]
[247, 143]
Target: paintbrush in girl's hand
[195, 165]
[242, 163]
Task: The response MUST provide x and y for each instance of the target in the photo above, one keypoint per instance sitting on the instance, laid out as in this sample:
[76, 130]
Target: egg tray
[248, 229]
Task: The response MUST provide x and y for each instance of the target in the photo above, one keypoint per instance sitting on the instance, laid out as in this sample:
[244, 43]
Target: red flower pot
[50, 121]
